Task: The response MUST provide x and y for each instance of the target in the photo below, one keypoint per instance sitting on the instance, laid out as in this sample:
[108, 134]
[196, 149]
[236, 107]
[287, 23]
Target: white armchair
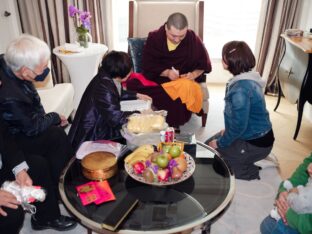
[56, 98]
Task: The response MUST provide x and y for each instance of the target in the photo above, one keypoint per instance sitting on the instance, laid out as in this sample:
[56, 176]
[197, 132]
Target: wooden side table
[295, 74]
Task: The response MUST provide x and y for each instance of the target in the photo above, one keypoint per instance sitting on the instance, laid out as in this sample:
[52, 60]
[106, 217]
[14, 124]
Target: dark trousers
[52, 145]
[39, 173]
[46, 154]
[13, 222]
[241, 156]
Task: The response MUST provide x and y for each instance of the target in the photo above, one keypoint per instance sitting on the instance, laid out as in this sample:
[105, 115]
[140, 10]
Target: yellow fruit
[137, 159]
[141, 151]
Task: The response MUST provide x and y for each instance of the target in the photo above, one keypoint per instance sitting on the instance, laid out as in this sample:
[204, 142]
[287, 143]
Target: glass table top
[159, 209]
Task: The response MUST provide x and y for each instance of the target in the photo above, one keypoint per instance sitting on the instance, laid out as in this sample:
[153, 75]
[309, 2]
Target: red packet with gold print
[104, 191]
[88, 193]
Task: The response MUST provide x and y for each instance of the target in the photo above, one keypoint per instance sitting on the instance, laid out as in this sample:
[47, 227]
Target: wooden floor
[289, 152]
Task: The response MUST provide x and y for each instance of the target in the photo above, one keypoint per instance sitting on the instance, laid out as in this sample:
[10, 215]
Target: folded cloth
[88, 147]
[188, 91]
[71, 48]
[141, 78]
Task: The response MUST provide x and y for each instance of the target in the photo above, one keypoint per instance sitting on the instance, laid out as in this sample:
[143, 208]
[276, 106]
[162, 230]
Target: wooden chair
[145, 16]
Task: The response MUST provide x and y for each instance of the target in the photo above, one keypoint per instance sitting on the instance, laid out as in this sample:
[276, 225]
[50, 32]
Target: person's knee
[267, 225]
[14, 219]
[38, 168]
[56, 133]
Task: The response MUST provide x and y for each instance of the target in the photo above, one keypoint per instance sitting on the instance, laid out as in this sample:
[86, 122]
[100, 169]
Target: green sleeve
[300, 176]
[300, 222]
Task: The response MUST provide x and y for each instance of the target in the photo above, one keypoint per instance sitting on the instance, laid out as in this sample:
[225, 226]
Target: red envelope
[88, 193]
[95, 191]
[104, 191]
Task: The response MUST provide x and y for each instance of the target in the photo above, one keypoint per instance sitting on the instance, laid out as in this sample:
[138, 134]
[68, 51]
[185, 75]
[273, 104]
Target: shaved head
[178, 20]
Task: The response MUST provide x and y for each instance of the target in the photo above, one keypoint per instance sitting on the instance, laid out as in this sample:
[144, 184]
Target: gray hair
[178, 20]
[26, 50]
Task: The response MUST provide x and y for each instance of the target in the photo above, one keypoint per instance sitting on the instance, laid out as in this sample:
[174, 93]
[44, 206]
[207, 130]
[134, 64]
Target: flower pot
[84, 38]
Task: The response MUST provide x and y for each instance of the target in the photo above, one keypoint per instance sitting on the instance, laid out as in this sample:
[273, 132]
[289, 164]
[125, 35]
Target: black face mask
[43, 75]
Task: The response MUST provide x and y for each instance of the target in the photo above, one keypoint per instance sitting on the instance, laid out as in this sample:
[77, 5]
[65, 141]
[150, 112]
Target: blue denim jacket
[245, 113]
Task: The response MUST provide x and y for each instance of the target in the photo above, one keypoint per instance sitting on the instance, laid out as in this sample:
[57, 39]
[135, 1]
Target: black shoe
[62, 223]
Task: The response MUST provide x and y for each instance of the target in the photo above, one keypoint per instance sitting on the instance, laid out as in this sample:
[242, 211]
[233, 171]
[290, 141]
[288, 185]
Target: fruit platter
[167, 165]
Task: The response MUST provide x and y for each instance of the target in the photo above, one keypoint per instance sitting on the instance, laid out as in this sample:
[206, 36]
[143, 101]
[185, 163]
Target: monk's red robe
[190, 55]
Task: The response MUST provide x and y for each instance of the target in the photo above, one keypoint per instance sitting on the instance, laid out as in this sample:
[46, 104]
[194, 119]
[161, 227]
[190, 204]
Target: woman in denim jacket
[248, 135]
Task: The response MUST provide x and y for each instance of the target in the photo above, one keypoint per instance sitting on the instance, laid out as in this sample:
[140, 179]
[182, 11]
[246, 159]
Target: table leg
[305, 94]
[89, 231]
[279, 94]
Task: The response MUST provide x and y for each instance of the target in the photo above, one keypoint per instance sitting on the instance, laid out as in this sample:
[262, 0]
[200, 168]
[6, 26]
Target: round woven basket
[99, 165]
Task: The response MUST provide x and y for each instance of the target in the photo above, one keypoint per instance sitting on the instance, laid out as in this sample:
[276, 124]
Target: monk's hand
[8, 200]
[189, 76]
[172, 74]
[143, 97]
[282, 205]
[213, 144]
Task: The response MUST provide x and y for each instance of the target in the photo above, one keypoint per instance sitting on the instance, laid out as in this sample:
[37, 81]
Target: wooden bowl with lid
[99, 165]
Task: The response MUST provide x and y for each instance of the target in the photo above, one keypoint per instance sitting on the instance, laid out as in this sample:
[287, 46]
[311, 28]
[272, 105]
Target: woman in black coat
[99, 115]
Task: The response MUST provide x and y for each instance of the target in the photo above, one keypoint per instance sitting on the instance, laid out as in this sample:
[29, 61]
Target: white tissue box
[135, 105]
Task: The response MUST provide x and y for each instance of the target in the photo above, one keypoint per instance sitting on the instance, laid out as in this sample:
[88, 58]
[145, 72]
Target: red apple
[163, 174]
[138, 167]
[176, 173]
[181, 164]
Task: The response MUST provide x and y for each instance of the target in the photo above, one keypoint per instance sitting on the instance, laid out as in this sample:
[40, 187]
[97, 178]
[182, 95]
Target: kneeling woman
[248, 135]
[99, 115]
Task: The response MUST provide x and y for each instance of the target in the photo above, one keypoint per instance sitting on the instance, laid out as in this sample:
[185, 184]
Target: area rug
[252, 202]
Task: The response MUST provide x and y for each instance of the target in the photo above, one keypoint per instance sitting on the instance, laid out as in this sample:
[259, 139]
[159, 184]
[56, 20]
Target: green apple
[166, 148]
[162, 161]
[175, 151]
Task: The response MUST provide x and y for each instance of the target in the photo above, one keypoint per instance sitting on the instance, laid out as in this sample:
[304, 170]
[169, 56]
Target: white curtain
[276, 16]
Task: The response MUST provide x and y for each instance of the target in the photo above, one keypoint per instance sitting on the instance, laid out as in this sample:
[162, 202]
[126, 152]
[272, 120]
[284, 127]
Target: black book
[113, 213]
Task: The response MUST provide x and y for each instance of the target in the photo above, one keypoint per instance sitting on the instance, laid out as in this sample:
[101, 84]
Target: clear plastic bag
[25, 194]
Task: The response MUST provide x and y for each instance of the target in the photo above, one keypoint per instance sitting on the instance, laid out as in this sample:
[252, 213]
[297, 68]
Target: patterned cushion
[135, 49]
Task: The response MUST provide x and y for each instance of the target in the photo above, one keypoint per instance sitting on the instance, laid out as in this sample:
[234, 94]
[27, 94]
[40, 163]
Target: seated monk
[173, 53]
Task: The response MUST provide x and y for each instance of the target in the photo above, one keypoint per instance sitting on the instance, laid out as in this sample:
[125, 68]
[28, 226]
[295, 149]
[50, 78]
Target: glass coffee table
[160, 209]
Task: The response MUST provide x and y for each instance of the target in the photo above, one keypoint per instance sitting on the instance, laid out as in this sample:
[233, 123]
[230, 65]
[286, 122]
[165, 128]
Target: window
[227, 20]
[120, 24]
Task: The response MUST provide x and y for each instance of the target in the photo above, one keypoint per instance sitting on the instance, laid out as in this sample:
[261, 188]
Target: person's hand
[294, 190]
[189, 76]
[8, 200]
[23, 179]
[173, 74]
[282, 205]
[213, 144]
[143, 97]
[64, 121]
[309, 169]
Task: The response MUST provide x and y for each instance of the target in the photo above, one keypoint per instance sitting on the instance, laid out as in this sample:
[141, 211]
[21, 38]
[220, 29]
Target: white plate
[187, 174]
